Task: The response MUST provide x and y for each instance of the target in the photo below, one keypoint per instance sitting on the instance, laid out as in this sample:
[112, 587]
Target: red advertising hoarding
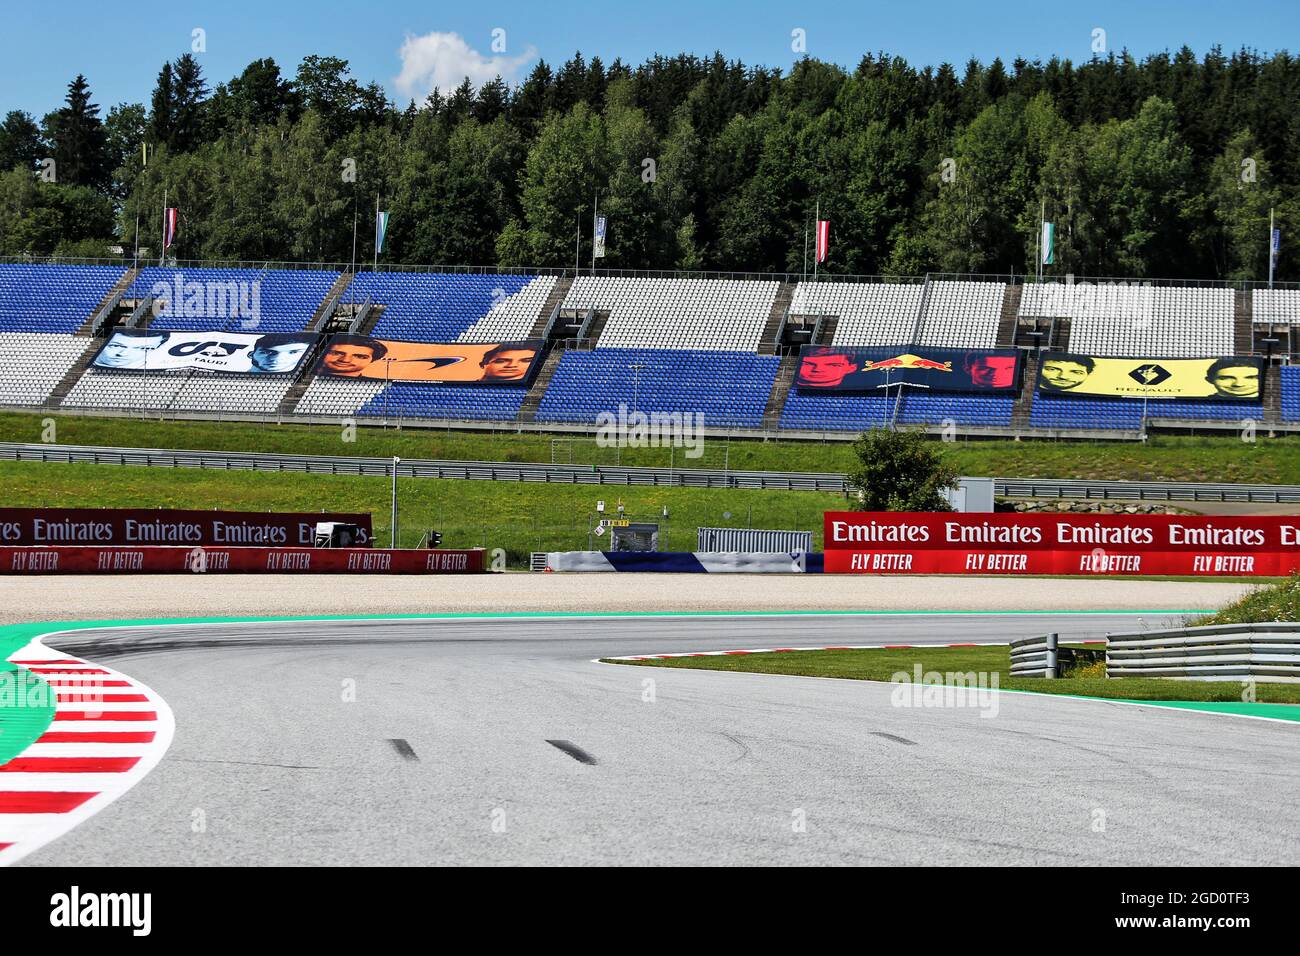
[163, 526]
[867, 542]
[167, 560]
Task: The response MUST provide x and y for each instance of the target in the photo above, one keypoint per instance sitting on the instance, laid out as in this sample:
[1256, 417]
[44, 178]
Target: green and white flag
[1048, 243]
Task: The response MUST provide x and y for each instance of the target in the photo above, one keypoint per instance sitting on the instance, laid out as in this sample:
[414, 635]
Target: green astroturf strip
[26, 709]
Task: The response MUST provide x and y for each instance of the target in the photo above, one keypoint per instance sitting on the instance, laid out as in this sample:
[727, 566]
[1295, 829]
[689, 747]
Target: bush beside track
[1270, 602]
[1161, 458]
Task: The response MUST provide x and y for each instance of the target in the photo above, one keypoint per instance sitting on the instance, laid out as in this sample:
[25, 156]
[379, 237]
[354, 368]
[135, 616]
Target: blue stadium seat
[828, 412]
[286, 299]
[433, 400]
[730, 389]
[52, 298]
[435, 306]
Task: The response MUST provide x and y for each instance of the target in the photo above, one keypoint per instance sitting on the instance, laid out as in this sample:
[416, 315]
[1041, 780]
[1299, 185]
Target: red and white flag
[823, 239]
[170, 223]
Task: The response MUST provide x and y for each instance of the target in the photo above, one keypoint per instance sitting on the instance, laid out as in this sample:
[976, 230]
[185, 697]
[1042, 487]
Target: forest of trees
[1167, 167]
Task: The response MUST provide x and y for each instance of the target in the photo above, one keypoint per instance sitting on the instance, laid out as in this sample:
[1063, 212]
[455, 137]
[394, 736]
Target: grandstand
[724, 348]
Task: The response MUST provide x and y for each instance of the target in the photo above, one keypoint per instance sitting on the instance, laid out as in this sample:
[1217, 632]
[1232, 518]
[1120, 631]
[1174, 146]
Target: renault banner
[483, 363]
[828, 368]
[140, 350]
[1229, 378]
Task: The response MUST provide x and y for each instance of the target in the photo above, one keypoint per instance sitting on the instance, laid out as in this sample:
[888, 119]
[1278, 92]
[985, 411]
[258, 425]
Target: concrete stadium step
[825, 333]
[330, 302]
[1243, 322]
[1010, 315]
[1272, 410]
[528, 410]
[780, 391]
[767, 340]
[591, 337]
[111, 299]
[1024, 406]
[73, 375]
[558, 292]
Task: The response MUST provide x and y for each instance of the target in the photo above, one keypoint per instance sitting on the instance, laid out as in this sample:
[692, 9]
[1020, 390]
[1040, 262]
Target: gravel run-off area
[96, 597]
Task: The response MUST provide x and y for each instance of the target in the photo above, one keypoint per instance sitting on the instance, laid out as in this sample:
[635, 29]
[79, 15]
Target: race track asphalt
[445, 756]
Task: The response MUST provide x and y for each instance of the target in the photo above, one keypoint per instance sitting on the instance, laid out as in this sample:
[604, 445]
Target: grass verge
[519, 517]
[883, 664]
[1162, 458]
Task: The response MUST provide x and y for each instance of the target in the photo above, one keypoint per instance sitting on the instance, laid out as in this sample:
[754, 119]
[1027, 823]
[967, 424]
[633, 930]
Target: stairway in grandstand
[1024, 407]
[1010, 317]
[780, 391]
[528, 410]
[330, 303]
[1243, 323]
[768, 343]
[110, 301]
[553, 301]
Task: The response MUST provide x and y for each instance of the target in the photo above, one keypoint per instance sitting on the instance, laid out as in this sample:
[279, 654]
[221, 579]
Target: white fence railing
[1229, 652]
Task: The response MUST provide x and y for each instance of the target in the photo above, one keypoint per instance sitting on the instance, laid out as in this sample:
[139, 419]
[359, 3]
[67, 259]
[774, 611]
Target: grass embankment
[882, 665]
[519, 517]
[1173, 458]
[1279, 601]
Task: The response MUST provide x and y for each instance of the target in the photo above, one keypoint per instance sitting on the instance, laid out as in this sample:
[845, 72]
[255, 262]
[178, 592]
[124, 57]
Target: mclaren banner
[140, 350]
[484, 363]
[1228, 378]
[827, 368]
[867, 542]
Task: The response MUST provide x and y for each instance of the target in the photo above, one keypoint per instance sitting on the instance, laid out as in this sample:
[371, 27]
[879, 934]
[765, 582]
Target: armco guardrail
[1076, 489]
[620, 475]
[1042, 656]
[1035, 656]
[1231, 652]
[422, 468]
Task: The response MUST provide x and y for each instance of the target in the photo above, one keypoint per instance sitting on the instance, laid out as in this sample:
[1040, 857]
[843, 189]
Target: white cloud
[441, 61]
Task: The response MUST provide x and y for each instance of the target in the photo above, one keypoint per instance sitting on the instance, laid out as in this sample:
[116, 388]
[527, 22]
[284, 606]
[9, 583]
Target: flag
[170, 226]
[1049, 239]
[1275, 248]
[381, 231]
[823, 239]
[598, 238]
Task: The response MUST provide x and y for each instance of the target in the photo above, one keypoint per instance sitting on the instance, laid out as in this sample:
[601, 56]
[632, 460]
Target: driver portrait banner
[1226, 378]
[349, 355]
[150, 350]
[829, 368]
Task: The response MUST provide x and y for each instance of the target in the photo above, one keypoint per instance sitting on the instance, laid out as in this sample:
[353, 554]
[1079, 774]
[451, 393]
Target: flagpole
[818, 221]
[162, 257]
[1271, 256]
[354, 230]
[376, 268]
[595, 200]
[577, 246]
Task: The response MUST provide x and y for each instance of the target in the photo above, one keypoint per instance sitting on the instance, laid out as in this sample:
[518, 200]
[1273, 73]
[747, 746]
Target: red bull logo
[908, 361]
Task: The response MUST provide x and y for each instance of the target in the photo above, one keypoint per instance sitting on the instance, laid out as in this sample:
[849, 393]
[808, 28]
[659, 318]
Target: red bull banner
[867, 542]
[209, 560]
[829, 368]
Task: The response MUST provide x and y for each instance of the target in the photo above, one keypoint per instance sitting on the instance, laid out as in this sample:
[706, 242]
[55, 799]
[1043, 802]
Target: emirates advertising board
[866, 542]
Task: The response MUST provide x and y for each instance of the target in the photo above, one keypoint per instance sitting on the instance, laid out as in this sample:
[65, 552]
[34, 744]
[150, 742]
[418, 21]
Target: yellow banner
[1228, 378]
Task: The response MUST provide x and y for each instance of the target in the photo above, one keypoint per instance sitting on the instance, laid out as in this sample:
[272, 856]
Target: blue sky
[121, 47]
